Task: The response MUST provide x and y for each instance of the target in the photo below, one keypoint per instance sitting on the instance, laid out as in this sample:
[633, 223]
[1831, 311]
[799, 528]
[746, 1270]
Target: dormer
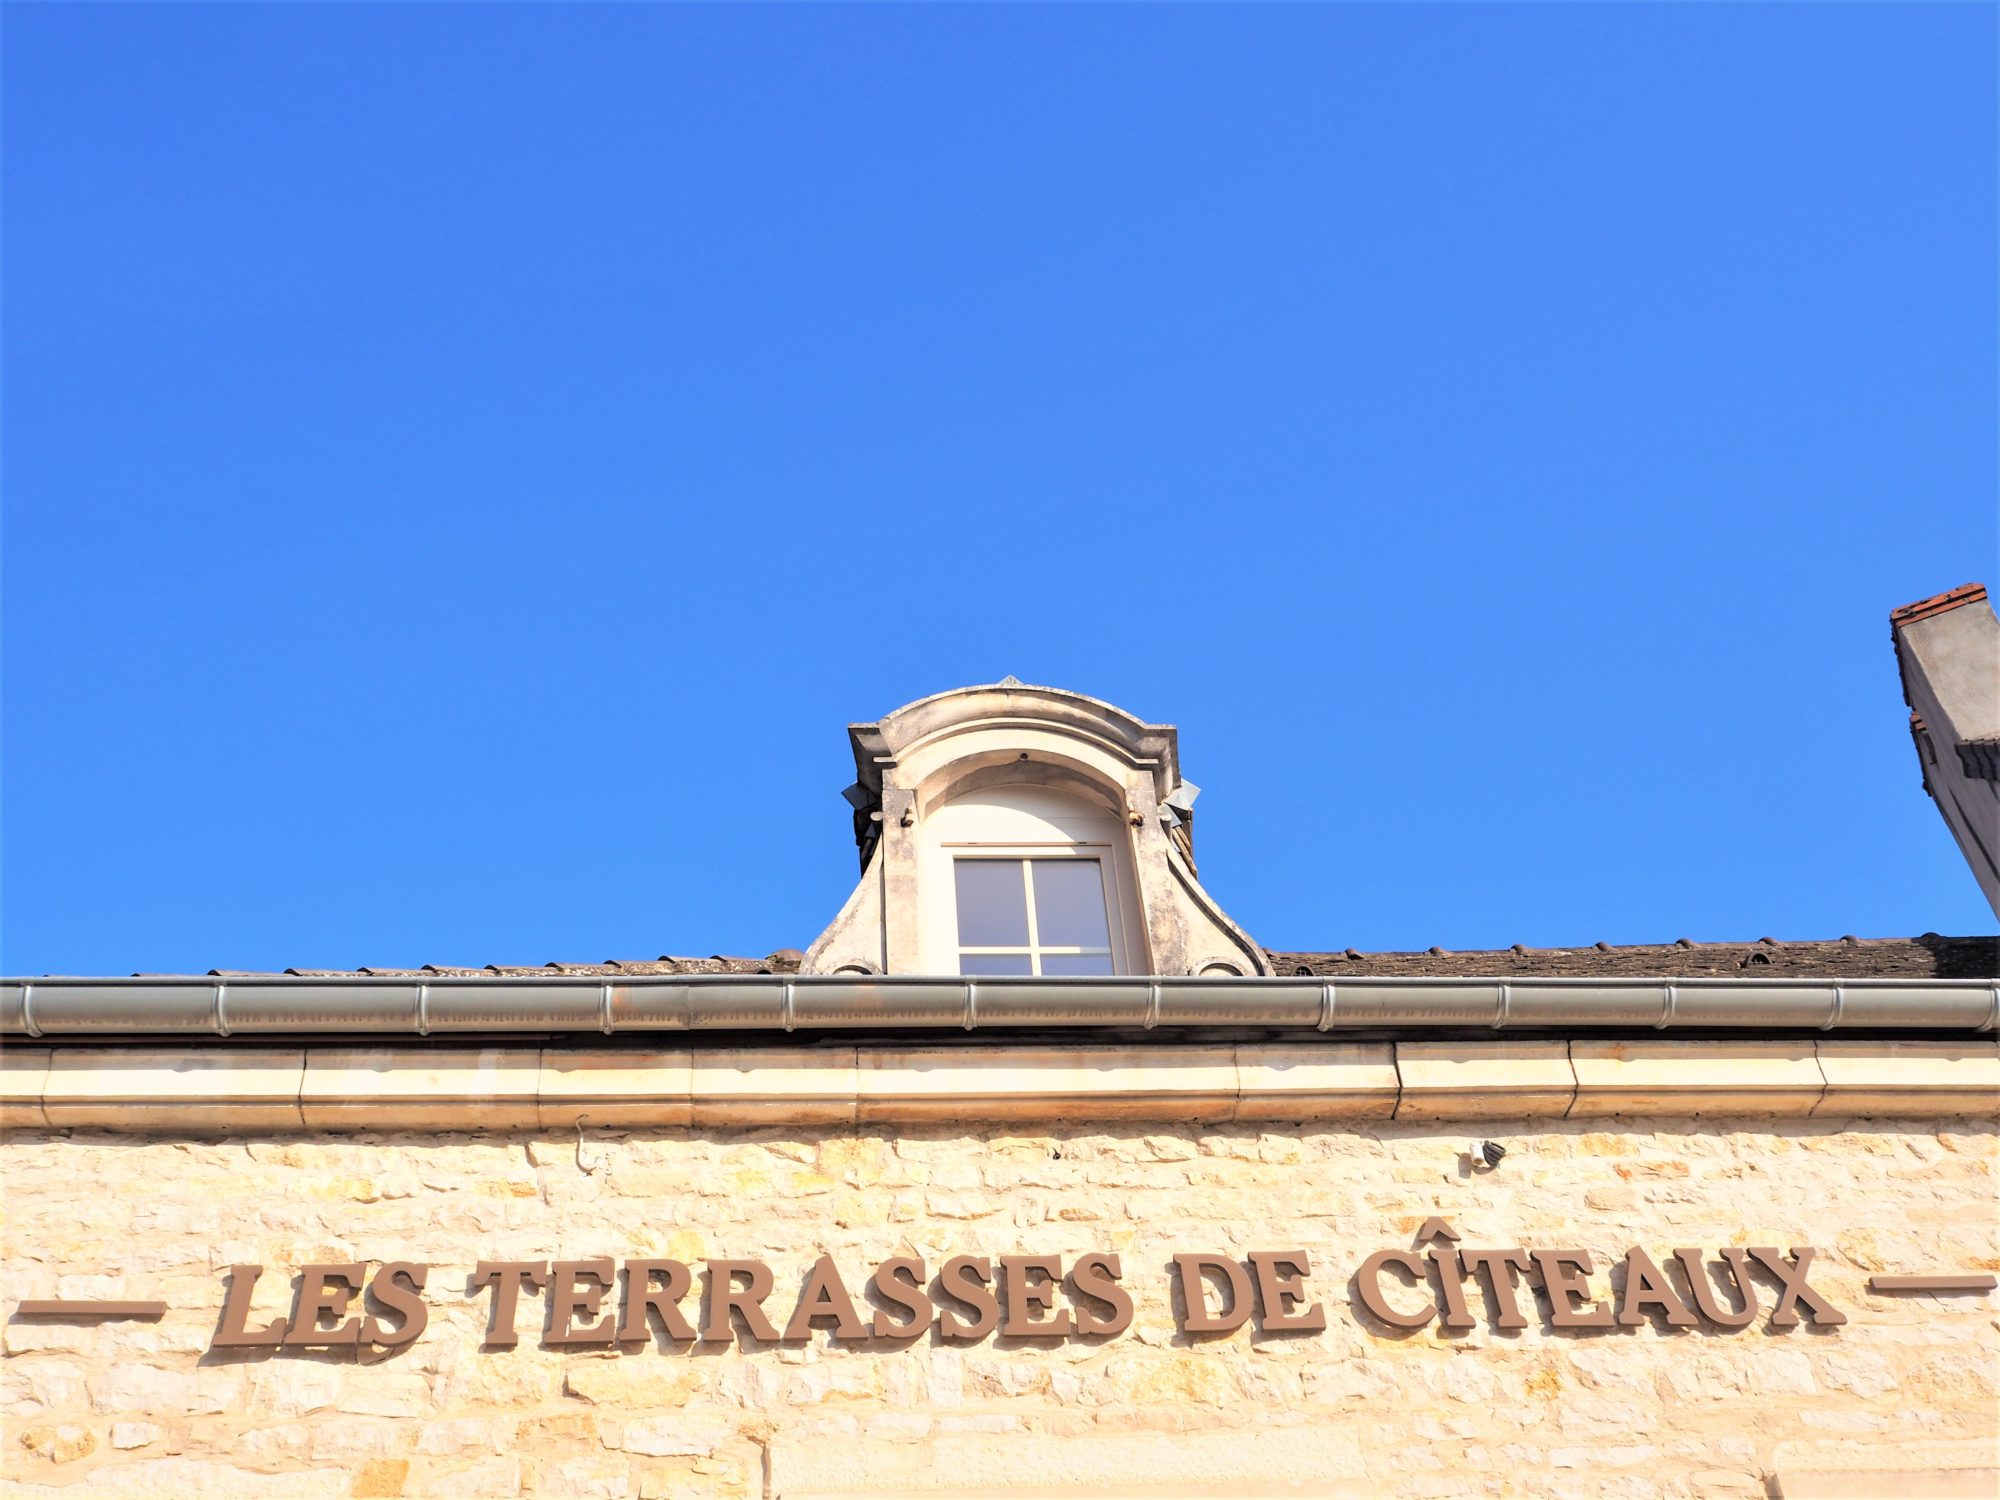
[1016, 830]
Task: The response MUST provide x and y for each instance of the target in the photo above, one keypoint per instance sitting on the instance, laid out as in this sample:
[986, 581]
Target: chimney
[1948, 650]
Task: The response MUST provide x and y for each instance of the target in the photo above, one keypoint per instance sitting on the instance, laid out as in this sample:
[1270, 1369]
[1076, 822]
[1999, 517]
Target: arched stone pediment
[931, 754]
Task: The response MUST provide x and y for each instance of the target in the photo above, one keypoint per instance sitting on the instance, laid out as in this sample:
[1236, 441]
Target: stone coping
[155, 1089]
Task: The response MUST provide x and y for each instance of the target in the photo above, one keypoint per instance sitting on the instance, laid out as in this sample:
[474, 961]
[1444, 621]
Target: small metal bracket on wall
[588, 1168]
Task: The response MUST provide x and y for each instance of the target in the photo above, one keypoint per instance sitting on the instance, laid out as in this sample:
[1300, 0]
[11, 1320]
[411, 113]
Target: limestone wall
[149, 1409]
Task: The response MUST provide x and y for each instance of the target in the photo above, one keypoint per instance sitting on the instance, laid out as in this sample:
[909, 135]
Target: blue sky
[465, 467]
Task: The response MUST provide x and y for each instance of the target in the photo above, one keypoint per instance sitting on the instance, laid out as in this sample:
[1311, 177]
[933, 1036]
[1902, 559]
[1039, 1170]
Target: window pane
[993, 965]
[1069, 904]
[1075, 963]
[992, 904]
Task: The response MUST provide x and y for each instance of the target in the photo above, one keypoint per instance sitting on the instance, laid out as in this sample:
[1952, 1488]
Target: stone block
[344, 1440]
[49, 1383]
[380, 1478]
[1483, 1080]
[908, 1085]
[1316, 1081]
[675, 1436]
[297, 1387]
[463, 1435]
[1845, 1470]
[58, 1442]
[773, 1086]
[613, 1087]
[128, 1387]
[1910, 1078]
[401, 1088]
[588, 1479]
[629, 1382]
[490, 1480]
[1672, 1076]
[173, 1088]
[23, 1071]
[180, 1478]
[1319, 1459]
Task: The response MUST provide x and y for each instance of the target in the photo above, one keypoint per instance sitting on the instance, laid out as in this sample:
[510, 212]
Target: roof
[1927, 957]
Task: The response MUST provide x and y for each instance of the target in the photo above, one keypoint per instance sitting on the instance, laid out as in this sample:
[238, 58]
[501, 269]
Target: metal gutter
[109, 1009]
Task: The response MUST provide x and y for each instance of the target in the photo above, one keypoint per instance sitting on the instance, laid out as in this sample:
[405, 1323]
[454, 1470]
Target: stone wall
[148, 1409]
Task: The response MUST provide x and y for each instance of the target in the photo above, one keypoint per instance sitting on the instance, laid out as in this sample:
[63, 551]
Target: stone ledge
[24, 1076]
[1483, 1080]
[898, 1086]
[775, 1086]
[1695, 1077]
[613, 1087]
[422, 1088]
[1901, 1078]
[174, 1088]
[1304, 1081]
[222, 1090]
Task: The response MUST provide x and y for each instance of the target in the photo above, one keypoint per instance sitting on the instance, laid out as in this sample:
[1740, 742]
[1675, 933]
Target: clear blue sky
[465, 467]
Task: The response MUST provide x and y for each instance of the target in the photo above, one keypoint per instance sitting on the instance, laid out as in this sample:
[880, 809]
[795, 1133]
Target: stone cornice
[264, 1090]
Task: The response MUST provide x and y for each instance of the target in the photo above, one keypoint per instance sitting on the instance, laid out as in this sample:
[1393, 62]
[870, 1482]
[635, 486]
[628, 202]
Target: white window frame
[1064, 827]
[1025, 855]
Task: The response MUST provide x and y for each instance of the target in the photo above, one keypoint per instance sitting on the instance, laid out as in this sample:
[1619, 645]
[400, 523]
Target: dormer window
[1025, 832]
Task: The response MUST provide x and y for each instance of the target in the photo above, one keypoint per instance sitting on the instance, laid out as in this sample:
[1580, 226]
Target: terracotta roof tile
[1937, 604]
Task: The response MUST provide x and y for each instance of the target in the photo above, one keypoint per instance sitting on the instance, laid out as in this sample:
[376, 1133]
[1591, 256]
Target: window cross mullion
[1034, 933]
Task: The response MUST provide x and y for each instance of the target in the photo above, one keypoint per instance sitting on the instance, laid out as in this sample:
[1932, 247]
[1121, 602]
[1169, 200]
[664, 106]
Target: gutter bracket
[424, 1009]
[971, 1005]
[1327, 1000]
[787, 1018]
[1672, 998]
[28, 1007]
[1153, 1005]
[221, 1009]
[1839, 1004]
[1506, 1000]
[604, 1020]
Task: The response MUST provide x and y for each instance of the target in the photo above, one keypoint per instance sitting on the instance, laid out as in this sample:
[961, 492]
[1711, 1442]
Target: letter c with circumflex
[1368, 1282]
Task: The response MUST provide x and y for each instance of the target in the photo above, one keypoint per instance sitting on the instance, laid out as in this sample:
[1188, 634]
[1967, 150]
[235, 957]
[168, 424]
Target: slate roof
[1927, 957]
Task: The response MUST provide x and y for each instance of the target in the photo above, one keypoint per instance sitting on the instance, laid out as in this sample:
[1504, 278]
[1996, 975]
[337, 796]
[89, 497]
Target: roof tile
[1928, 956]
